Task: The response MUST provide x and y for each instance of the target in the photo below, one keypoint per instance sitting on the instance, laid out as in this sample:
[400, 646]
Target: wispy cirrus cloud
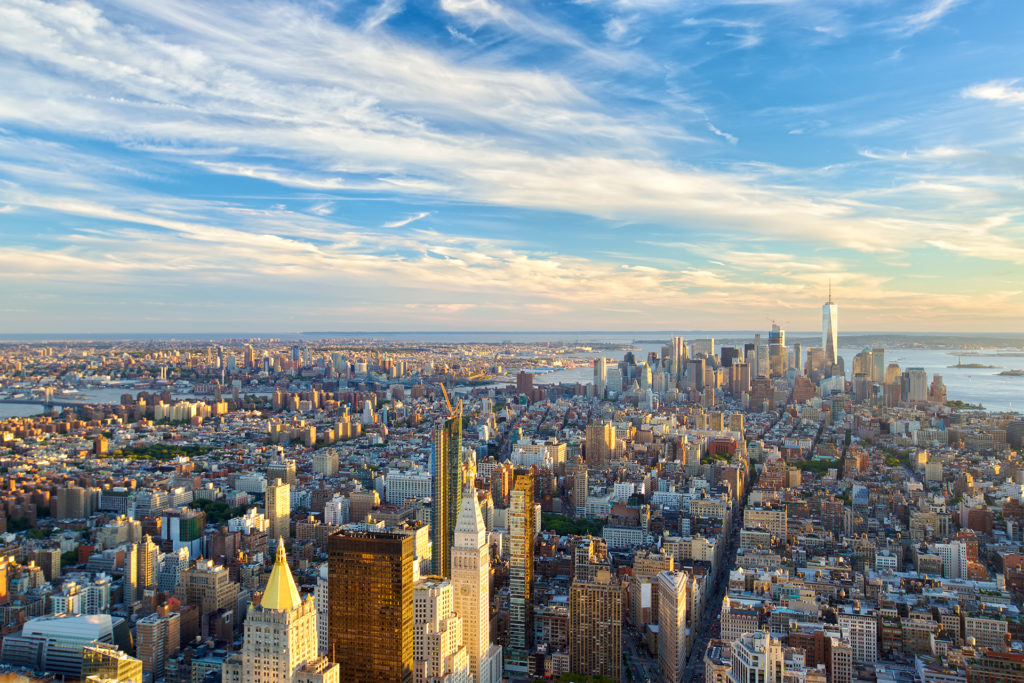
[928, 15]
[406, 221]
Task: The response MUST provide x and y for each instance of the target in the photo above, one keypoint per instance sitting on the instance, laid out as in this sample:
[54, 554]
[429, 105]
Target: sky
[234, 166]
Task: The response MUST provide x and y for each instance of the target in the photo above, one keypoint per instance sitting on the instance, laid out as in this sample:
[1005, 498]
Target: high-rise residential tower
[600, 443]
[522, 532]
[471, 583]
[370, 605]
[158, 639]
[595, 630]
[446, 489]
[830, 330]
[278, 504]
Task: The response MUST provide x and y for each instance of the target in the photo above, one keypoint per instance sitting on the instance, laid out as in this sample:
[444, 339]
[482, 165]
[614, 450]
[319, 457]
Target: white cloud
[714, 129]
[406, 221]
[929, 14]
[996, 91]
[281, 94]
[322, 209]
[381, 13]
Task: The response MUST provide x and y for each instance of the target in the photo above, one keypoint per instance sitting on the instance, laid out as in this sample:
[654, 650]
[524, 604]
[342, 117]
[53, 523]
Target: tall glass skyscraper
[522, 526]
[830, 330]
[446, 489]
[370, 605]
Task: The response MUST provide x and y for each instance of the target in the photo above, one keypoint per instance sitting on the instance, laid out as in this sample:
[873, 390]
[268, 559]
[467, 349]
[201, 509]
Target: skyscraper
[278, 504]
[830, 330]
[471, 582]
[679, 354]
[522, 530]
[673, 598]
[778, 359]
[280, 634]
[595, 633]
[600, 376]
[446, 489]
[148, 558]
[370, 605]
[158, 639]
[600, 443]
[439, 653]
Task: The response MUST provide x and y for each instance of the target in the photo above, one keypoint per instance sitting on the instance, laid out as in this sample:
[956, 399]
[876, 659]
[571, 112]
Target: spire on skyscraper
[281, 592]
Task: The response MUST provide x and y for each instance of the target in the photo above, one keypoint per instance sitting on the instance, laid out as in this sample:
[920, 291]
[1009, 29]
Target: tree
[68, 558]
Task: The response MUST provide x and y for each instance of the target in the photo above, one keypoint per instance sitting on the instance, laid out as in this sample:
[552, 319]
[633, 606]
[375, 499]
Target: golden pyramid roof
[281, 592]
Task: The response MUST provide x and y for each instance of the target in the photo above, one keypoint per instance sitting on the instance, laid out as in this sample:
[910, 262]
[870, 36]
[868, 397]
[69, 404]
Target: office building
[673, 643]
[757, 657]
[54, 644]
[600, 376]
[439, 654]
[209, 587]
[370, 605]
[325, 462]
[471, 580]
[107, 662]
[322, 603]
[989, 666]
[173, 565]
[830, 330]
[281, 633]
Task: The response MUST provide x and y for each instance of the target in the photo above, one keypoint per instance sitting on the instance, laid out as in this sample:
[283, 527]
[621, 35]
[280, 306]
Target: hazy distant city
[498, 341]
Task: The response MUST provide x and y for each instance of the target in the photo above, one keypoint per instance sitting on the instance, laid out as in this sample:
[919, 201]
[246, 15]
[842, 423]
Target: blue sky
[506, 164]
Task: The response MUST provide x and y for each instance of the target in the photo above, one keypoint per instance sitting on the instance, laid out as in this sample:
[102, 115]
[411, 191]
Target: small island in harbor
[1011, 373]
[976, 366]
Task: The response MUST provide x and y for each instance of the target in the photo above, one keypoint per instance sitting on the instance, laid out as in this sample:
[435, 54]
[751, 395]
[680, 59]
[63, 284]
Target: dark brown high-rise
[369, 593]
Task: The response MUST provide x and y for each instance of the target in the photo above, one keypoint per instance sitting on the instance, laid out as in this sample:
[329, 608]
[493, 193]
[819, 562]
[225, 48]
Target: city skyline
[494, 165]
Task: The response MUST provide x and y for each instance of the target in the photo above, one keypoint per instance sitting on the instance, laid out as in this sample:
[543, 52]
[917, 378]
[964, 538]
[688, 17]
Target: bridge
[53, 402]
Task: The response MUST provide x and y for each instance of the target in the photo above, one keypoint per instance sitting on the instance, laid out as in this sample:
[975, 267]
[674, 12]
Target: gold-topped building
[280, 636]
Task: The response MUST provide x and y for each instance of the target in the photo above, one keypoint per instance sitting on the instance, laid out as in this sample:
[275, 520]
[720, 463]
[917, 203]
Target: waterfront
[970, 385]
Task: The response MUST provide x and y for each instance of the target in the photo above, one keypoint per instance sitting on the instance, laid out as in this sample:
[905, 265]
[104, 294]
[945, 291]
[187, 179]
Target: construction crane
[448, 403]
